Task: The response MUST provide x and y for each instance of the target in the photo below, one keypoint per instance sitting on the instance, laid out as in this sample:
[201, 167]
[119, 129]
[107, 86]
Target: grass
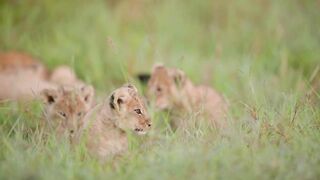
[262, 55]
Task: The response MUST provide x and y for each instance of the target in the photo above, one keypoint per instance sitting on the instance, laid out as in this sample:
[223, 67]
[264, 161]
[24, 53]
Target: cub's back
[14, 62]
[21, 76]
[212, 102]
[21, 86]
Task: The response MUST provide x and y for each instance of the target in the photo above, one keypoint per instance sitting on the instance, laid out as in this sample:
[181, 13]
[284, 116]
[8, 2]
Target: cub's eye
[63, 114]
[79, 114]
[138, 111]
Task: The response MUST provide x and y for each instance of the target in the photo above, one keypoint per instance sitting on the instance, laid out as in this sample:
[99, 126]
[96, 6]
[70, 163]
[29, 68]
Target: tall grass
[263, 56]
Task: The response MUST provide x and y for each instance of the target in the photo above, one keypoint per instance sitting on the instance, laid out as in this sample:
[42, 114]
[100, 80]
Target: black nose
[71, 131]
[149, 125]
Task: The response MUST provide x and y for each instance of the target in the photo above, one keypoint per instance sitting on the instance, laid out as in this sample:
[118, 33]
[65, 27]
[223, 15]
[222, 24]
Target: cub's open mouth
[139, 131]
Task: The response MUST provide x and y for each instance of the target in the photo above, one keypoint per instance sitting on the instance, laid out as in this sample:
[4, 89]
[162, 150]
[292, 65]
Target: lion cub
[23, 77]
[123, 111]
[173, 91]
[15, 62]
[65, 109]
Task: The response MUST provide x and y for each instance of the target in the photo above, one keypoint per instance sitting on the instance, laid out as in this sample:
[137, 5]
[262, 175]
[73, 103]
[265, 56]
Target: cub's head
[64, 75]
[164, 86]
[129, 110]
[65, 108]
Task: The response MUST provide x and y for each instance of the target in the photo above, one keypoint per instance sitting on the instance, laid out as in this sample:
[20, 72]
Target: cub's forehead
[70, 101]
[160, 76]
[126, 91]
[136, 102]
[123, 90]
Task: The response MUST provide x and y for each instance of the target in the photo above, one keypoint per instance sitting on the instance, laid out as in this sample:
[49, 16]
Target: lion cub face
[129, 110]
[164, 85]
[65, 108]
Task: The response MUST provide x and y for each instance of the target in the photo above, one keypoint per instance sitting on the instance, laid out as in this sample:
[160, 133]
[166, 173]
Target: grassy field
[262, 55]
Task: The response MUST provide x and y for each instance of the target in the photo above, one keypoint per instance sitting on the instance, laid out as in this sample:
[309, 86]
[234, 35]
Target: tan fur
[110, 121]
[15, 62]
[22, 77]
[65, 109]
[21, 86]
[172, 90]
[64, 75]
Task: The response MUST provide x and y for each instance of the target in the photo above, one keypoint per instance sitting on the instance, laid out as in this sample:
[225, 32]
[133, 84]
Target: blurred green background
[99, 38]
[262, 55]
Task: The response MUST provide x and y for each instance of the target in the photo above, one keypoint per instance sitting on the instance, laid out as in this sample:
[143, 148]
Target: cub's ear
[111, 102]
[130, 86]
[144, 78]
[87, 92]
[49, 96]
[179, 77]
[115, 101]
[131, 89]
